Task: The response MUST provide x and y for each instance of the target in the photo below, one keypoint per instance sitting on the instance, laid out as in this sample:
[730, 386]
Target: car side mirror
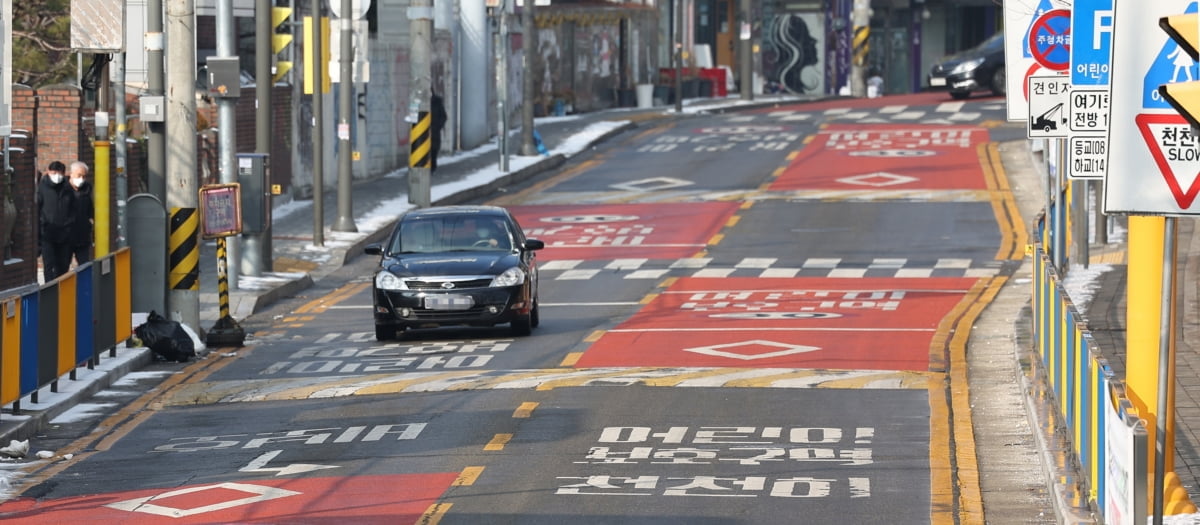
[534, 244]
[373, 249]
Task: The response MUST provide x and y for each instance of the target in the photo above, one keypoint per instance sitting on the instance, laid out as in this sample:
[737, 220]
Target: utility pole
[502, 82]
[318, 143]
[420, 142]
[529, 41]
[345, 218]
[183, 273]
[256, 246]
[861, 23]
[156, 144]
[677, 33]
[745, 51]
[227, 128]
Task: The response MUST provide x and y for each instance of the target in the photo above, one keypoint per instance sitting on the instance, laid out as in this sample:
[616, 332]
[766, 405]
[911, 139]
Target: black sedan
[980, 68]
[456, 265]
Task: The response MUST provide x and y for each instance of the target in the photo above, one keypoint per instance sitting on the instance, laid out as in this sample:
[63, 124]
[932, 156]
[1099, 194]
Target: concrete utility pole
[677, 36]
[156, 144]
[420, 136]
[861, 24]
[745, 50]
[529, 40]
[318, 143]
[345, 218]
[227, 130]
[502, 83]
[183, 274]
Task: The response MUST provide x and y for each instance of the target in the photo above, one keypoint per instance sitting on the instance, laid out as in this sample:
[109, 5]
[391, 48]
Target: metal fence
[48, 331]
[1108, 439]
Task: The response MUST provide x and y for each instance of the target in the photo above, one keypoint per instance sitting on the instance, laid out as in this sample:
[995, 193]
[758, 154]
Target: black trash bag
[166, 338]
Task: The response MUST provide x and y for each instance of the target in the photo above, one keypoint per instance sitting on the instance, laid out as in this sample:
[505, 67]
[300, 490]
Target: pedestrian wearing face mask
[81, 234]
[56, 218]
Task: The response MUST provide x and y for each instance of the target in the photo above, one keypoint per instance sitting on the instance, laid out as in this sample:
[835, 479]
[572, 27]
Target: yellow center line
[525, 410]
[498, 442]
[467, 477]
[570, 360]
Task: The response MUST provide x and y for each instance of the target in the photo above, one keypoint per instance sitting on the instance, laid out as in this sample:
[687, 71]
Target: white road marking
[578, 275]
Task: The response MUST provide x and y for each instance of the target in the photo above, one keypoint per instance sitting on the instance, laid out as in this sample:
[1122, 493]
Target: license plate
[937, 81]
[449, 302]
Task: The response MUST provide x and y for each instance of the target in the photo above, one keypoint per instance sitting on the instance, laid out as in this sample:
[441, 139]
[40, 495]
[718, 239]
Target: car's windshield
[446, 233]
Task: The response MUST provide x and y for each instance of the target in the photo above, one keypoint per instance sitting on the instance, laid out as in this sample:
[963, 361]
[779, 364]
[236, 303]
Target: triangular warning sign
[1175, 151]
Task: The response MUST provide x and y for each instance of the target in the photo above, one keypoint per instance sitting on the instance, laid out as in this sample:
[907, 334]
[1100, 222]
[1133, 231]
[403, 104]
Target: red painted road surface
[615, 231]
[888, 157]
[870, 323]
[400, 498]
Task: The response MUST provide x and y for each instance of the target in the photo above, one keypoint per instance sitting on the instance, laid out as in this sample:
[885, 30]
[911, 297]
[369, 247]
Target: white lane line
[612, 303]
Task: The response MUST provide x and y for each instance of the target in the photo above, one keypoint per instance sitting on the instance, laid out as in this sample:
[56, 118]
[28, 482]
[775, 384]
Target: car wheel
[534, 317]
[960, 95]
[522, 326]
[999, 88]
[384, 332]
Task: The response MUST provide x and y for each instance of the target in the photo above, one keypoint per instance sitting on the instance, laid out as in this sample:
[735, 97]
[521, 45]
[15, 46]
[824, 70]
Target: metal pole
[227, 126]
[156, 144]
[678, 37]
[529, 40]
[1079, 210]
[318, 160]
[120, 149]
[1100, 218]
[502, 84]
[345, 212]
[745, 53]
[182, 197]
[1165, 381]
[256, 246]
[1060, 208]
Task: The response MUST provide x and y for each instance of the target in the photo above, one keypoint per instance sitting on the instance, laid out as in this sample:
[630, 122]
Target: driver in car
[490, 236]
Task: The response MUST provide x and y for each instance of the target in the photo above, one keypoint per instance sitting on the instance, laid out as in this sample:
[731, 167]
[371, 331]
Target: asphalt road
[746, 318]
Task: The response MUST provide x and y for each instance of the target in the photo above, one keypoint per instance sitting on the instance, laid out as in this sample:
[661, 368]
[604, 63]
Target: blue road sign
[1171, 65]
[1044, 6]
[1091, 42]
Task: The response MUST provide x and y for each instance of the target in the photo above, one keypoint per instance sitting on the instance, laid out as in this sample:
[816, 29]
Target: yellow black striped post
[420, 141]
[184, 250]
[222, 278]
[861, 44]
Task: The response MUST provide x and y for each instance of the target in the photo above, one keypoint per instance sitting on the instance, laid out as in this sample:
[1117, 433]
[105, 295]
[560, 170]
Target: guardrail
[48, 331]
[1108, 439]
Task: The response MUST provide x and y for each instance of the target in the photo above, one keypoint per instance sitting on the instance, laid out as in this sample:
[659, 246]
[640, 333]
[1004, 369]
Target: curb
[36, 420]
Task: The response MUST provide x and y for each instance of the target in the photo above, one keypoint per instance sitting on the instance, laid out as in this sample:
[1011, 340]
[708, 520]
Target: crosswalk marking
[779, 272]
[578, 275]
[950, 107]
[713, 272]
[691, 262]
[559, 265]
[625, 264]
[756, 262]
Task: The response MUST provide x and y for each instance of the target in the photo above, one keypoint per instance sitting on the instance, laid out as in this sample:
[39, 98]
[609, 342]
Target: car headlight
[967, 66]
[511, 277]
[386, 281]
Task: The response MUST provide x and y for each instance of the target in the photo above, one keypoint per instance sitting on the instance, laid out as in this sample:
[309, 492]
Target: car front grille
[440, 285]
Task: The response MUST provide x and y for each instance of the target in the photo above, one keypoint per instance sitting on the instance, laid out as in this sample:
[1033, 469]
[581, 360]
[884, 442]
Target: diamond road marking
[878, 179]
[652, 184]
[719, 350]
[260, 492]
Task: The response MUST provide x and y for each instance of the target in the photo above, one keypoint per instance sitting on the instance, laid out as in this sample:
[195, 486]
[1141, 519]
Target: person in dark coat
[438, 113]
[56, 218]
[81, 234]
